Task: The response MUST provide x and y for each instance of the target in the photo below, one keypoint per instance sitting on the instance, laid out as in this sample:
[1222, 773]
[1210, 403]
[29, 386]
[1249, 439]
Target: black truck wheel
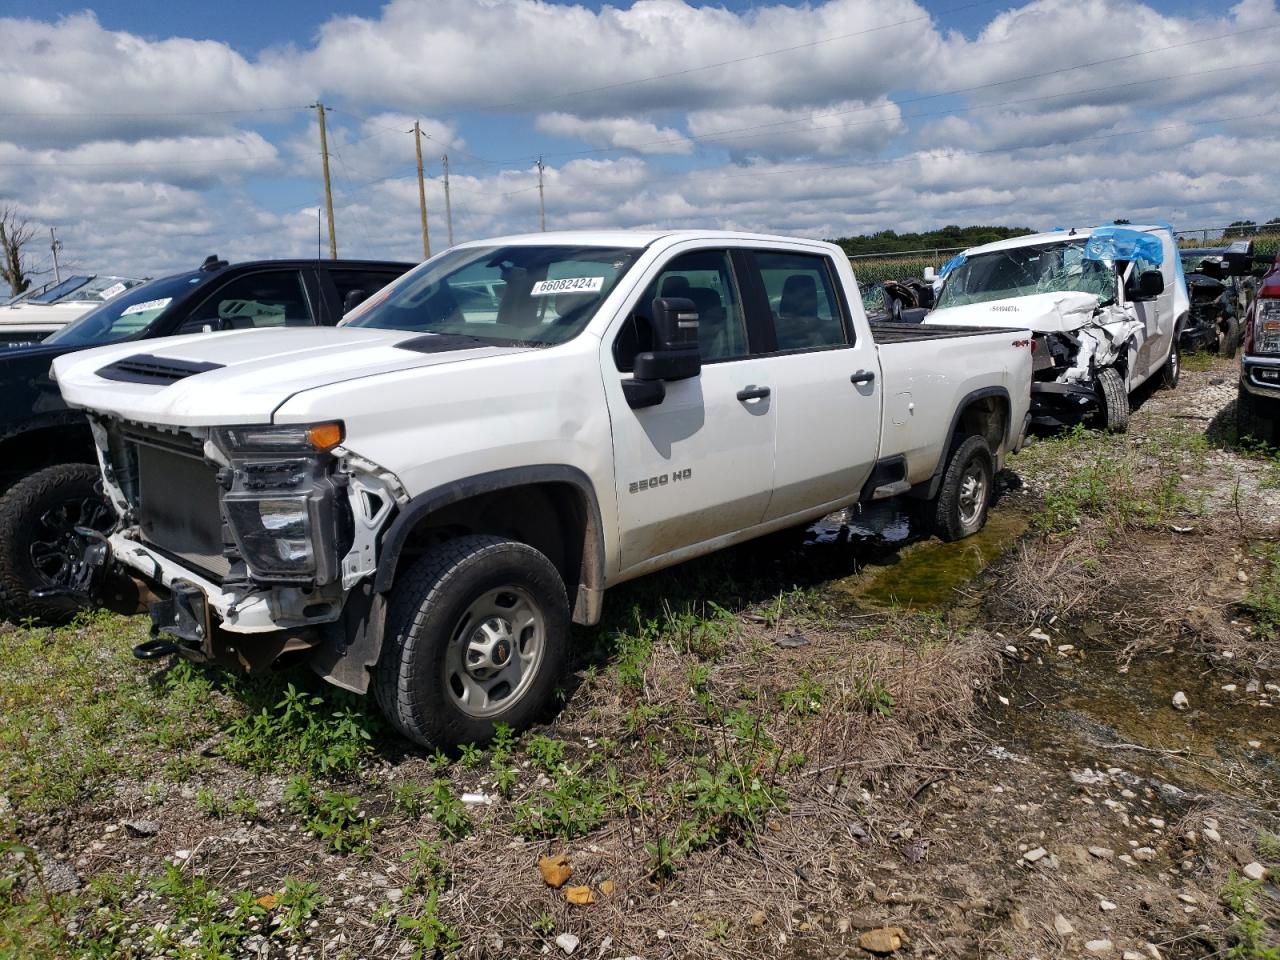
[960, 509]
[1257, 417]
[1230, 341]
[38, 541]
[476, 635]
[1114, 400]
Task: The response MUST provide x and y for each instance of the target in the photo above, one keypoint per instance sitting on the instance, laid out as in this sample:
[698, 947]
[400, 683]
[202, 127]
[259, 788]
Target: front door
[698, 465]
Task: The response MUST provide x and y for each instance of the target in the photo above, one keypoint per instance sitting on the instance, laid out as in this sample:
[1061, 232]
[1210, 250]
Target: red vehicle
[1258, 406]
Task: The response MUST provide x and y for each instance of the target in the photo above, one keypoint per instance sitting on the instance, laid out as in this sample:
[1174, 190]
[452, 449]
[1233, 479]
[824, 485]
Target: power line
[243, 111]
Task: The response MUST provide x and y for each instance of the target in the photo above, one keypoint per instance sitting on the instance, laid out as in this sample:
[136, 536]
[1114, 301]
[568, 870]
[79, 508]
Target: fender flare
[591, 577]
[936, 480]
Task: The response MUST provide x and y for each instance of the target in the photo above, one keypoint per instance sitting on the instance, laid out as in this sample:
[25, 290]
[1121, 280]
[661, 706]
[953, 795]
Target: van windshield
[515, 295]
[1023, 271]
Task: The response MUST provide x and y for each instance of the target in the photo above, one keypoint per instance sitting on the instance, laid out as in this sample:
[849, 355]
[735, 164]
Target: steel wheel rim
[495, 652]
[973, 492]
[55, 547]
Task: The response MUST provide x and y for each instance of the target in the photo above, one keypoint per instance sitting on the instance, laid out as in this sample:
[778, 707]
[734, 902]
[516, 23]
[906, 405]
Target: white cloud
[764, 130]
[624, 133]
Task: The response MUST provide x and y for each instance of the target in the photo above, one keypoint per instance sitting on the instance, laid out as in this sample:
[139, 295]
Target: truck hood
[1040, 313]
[243, 376]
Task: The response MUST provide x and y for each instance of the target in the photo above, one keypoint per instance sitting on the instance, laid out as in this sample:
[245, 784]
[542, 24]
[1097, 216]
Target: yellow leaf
[579, 896]
[268, 901]
[555, 870]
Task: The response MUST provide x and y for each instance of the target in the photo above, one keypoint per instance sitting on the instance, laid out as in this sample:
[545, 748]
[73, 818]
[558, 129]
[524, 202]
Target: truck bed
[886, 333]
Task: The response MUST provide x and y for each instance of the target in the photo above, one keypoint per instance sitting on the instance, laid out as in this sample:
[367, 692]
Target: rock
[608, 887]
[1031, 856]
[142, 828]
[555, 870]
[395, 894]
[1180, 701]
[1154, 952]
[1255, 870]
[1228, 688]
[1106, 906]
[567, 942]
[883, 940]
[1242, 576]
[1145, 854]
[1038, 634]
[58, 877]
[1156, 822]
[1255, 744]
[1187, 898]
[1065, 648]
[757, 918]
[1212, 834]
[1062, 926]
[1272, 688]
[1132, 955]
[1100, 947]
[579, 896]
[1102, 853]
[1252, 686]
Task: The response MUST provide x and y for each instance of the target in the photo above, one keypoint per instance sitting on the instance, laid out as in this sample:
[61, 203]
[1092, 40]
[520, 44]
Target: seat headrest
[799, 296]
[676, 286]
[705, 299]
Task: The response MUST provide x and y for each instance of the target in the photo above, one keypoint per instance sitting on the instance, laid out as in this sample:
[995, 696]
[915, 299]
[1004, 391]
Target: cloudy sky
[153, 133]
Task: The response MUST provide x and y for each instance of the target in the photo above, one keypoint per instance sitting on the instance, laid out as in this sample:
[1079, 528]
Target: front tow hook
[155, 649]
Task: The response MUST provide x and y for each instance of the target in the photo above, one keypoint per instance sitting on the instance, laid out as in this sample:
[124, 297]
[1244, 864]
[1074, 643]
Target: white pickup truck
[423, 497]
[1106, 305]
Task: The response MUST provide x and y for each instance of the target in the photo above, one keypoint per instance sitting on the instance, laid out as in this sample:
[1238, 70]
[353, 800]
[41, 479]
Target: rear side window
[368, 281]
[271, 298]
[706, 278]
[802, 300]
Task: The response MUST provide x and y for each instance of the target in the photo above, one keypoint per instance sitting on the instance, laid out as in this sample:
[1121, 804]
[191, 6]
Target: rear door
[281, 297]
[339, 283]
[698, 465]
[825, 382]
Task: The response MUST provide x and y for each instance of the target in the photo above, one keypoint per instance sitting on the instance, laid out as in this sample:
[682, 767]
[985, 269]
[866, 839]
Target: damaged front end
[1087, 337]
[252, 539]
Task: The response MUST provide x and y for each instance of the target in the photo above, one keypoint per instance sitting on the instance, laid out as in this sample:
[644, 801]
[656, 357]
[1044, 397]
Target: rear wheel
[39, 546]
[1114, 400]
[960, 509]
[476, 635]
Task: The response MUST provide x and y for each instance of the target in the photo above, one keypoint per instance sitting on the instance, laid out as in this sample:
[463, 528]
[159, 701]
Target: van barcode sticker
[144, 307]
[568, 285]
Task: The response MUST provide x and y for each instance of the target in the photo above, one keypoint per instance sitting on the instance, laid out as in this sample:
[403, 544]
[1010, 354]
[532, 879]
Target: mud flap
[352, 645]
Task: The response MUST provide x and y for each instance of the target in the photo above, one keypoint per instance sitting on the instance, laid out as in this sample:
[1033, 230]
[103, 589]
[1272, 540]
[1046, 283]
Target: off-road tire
[1229, 344]
[427, 604]
[1171, 372]
[21, 510]
[950, 518]
[1114, 400]
[1257, 417]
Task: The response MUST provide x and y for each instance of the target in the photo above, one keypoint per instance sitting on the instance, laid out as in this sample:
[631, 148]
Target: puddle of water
[1079, 709]
[927, 574]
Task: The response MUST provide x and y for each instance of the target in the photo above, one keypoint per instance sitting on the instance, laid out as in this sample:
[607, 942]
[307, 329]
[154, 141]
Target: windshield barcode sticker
[545, 288]
[144, 307]
[112, 290]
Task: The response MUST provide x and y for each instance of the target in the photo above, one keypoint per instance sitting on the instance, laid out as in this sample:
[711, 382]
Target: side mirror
[675, 324]
[353, 299]
[930, 274]
[1150, 285]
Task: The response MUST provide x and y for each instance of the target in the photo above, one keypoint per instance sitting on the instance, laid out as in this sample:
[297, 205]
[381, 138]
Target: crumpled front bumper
[1055, 404]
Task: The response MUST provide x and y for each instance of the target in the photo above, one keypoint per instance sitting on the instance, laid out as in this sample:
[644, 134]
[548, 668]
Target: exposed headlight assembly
[1266, 326]
[280, 501]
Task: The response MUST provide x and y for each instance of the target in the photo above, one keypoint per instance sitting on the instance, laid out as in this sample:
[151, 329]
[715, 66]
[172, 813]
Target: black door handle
[753, 393]
[863, 376]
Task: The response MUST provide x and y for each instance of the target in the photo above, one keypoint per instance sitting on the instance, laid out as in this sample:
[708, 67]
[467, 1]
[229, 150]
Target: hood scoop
[145, 368]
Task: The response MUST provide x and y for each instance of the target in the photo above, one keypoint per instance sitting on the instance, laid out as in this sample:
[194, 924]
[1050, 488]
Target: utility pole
[448, 207]
[55, 246]
[422, 192]
[328, 188]
[542, 205]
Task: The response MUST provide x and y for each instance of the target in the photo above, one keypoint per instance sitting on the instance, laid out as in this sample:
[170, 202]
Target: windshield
[127, 314]
[527, 295]
[1024, 271]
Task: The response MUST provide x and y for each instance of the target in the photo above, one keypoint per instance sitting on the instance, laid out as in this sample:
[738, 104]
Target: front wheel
[476, 635]
[1114, 400]
[1171, 372]
[39, 545]
[960, 509]
[1230, 342]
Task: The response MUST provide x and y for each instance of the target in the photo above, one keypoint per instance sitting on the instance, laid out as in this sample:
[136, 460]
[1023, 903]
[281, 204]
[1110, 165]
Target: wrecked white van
[1105, 304]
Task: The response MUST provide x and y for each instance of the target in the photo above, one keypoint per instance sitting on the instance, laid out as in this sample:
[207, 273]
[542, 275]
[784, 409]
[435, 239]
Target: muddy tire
[1229, 343]
[1113, 400]
[476, 635]
[960, 509]
[1257, 417]
[1171, 372]
[38, 542]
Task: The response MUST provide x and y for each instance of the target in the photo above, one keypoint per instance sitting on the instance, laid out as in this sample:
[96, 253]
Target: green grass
[1263, 598]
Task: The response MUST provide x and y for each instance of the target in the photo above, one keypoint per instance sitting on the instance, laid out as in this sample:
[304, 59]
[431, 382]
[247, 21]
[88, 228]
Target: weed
[427, 933]
[335, 818]
[726, 802]
[319, 735]
[805, 698]
[409, 798]
[210, 804]
[299, 900]
[505, 778]
[1268, 845]
[1263, 599]
[471, 756]
[873, 696]
[448, 811]
[545, 752]
[571, 807]
[1240, 896]
[544, 925]
[427, 868]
